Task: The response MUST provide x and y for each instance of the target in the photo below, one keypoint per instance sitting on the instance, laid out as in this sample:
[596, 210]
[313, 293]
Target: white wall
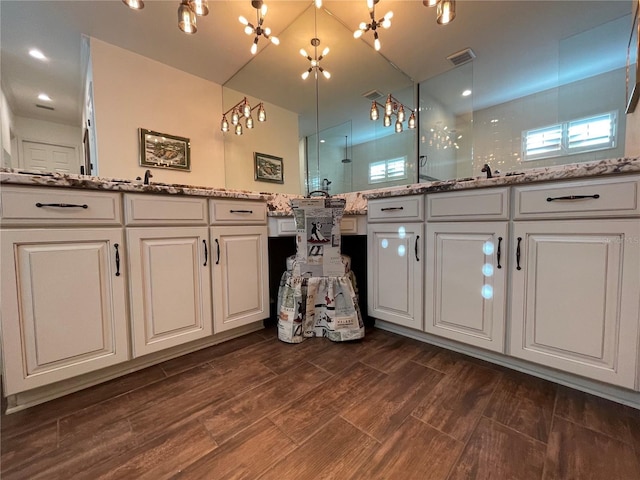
[132, 92]
[9, 157]
[632, 141]
[278, 136]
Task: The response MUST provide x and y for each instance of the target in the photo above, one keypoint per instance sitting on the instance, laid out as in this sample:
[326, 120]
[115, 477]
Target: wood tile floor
[383, 408]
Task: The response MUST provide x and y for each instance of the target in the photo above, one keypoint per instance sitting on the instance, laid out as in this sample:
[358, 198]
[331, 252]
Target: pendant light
[391, 107]
[346, 158]
[258, 29]
[384, 22]
[134, 4]
[446, 11]
[186, 18]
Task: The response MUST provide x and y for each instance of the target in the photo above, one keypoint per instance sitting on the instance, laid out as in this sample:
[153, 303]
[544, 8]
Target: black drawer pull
[572, 197]
[61, 205]
[117, 260]
[416, 247]
[217, 252]
[206, 252]
[499, 251]
[240, 211]
[387, 209]
[518, 267]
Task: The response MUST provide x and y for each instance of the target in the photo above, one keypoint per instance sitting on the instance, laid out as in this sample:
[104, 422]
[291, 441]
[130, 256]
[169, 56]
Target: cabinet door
[170, 287]
[63, 304]
[575, 298]
[240, 276]
[465, 282]
[395, 273]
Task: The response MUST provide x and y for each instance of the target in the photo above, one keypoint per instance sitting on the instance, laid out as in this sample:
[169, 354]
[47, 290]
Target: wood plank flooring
[385, 407]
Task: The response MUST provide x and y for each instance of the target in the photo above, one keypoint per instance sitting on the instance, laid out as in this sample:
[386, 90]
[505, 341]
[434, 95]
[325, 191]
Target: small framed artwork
[160, 150]
[268, 168]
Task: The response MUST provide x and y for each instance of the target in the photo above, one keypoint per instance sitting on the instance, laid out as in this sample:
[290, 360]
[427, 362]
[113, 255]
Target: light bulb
[235, 116]
[238, 129]
[246, 109]
[304, 53]
[401, 113]
[386, 23]
[249, 122]
[267, 32]
[388, 106]
[398, 126]
[224, 125]
[386, 121]
[186, 18]
[274, 40]
[248, 30]
[262, 114]
[412, 120]
[429, 3]
[318, 3]
[370, 4]
[374, 114]
[254, 47]
[362, 26]
[376, 44]
[134, 4]
[199, 7]
[326, 74]
[388, 15]
[305, 74]
[263, 9]
[243, 20]
[357, 34]
[325, 51]
[446, 11]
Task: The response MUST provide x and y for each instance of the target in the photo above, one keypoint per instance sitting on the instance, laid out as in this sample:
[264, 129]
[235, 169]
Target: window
[387, 170]
[576, 136]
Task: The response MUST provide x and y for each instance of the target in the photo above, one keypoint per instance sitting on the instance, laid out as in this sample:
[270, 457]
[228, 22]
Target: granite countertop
[278, 203]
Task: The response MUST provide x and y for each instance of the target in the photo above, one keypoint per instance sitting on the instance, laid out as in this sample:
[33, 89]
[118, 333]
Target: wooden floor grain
[382, 408]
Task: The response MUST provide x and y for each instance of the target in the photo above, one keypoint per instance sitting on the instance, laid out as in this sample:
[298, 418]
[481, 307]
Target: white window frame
[387, 176]
[564, 146]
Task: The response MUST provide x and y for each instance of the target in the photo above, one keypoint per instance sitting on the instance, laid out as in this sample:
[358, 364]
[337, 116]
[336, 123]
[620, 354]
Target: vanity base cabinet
[395, 272]
[576, 295]
[240, 271]
[170, 287]
[63, 304]
[465, 282]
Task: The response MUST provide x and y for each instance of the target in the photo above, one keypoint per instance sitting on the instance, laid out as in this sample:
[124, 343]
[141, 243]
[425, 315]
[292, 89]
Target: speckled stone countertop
[278, 203]
[560, 172]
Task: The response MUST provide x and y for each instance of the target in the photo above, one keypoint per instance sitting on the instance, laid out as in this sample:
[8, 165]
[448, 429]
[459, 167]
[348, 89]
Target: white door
[46, 157]
[63, 304]
[575, 296]
[465, 282]
[170, 288]
[395, 269]
[240, 276]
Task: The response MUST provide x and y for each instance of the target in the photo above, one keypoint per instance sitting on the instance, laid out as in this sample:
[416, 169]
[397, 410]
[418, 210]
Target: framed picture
[268, 168]
[633, 63]
[160, 150]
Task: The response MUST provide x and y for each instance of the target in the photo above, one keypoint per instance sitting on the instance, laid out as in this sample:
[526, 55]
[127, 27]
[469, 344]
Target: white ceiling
[517, 42]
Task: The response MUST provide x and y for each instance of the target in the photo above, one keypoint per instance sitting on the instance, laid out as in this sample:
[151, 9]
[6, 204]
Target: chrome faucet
[325, 184]
[147, 176]
[487, 169]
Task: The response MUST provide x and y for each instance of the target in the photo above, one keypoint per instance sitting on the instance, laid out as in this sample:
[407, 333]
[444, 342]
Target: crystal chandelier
[393, 107]
[315, 60]
[241, 110]
[258, 29]
[384, 22]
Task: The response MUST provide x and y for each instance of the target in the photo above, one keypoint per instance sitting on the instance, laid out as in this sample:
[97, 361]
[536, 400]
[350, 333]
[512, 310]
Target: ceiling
[517, 42]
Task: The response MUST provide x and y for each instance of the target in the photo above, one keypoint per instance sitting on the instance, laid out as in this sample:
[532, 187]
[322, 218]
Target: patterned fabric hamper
[318, 293]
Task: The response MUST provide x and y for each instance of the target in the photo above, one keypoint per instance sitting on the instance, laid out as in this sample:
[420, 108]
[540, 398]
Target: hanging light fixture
[384, 22]
[445, 10]
[315, 61]
[241, 110]
[392, 107]
[187, 12]
[258, 29]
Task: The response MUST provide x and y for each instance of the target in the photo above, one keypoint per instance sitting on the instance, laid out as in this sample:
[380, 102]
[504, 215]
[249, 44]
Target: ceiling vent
[372, 95]
[45, 107]
[461, 57]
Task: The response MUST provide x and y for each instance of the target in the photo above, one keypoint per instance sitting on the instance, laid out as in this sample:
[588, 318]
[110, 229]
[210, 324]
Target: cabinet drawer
[578, 199]
[490, 204]
[396, 209]
[228, 212]
[159, 209]
[58, 206]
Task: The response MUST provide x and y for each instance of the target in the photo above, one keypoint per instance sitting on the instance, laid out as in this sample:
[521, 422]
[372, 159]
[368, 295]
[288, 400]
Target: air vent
[463, 56]
[372, 95]
[45, 107]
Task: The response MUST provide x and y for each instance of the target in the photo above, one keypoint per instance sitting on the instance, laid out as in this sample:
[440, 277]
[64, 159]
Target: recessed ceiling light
[322, 141]
[35, 53]
[466, 93]
[44, 97]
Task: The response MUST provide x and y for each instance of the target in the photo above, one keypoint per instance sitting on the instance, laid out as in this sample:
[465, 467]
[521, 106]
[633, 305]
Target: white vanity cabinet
[395, 238]
[575, 273]
[63, 285]
[239, 262]
[169, 276]
[465, 266]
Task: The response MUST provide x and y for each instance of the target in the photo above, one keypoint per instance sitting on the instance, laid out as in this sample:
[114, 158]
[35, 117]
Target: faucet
[325, 185]
[487, 169]
[147, 176]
